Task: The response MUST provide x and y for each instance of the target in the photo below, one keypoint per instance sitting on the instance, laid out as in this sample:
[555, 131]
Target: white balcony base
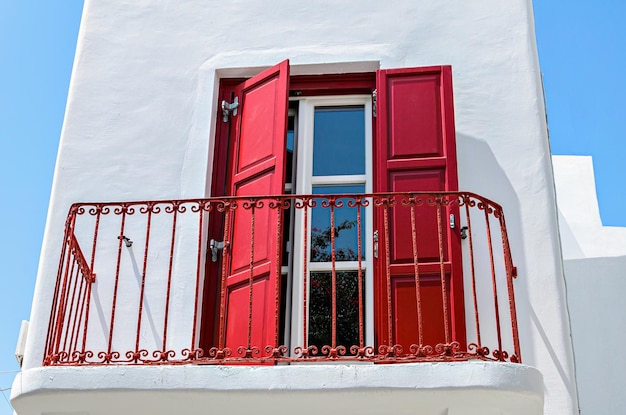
[467, 388]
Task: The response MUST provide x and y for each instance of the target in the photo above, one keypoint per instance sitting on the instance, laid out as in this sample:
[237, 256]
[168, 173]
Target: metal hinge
[215, 247]
[374, 96]
[228, 107]
[375, 244]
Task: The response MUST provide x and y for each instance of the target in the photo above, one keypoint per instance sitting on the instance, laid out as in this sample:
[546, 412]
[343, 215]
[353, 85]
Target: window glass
[320, 308]
[339, 141]
[346, 231]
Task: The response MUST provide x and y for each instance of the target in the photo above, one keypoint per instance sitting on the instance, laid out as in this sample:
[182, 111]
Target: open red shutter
[257, 168]
[415, 151]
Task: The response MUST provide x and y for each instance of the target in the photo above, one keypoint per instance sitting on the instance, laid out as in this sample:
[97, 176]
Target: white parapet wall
[582, 232]
[595, 270]
[465, 388]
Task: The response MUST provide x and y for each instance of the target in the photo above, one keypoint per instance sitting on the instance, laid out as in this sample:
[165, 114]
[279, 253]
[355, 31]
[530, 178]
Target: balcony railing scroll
[132, 276]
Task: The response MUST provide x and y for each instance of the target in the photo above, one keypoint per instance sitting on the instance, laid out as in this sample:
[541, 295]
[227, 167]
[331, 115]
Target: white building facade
[594, 257]
[411, 118]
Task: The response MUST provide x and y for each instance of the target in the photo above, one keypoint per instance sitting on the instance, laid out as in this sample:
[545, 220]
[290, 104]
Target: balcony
[142, 283]
[359, 303]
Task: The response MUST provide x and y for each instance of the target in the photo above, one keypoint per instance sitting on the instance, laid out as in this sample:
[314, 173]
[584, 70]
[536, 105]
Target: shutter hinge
[228, 107]
[376, 244]
[215, 247]
[374, 94]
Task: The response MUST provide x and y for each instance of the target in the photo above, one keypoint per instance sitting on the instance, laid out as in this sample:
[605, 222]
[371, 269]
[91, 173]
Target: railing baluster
[493, 280]
[73, 315]
[466, 202]
[50, 348]
[418, 296]
[333, 276]
[390, 342]
[84, 288]
[74, 272]
[201, 208]
[278, 278]
[510, 274]
[98, 211]
[63, 297]
[442, 270]
[305, 255]
[358, 205]
[117, 277]
[175, 207]
[225, 259]
[142, 290]
[251, 277]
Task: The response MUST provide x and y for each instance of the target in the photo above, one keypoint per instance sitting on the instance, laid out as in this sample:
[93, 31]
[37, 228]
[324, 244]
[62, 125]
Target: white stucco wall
[595, 289]
[582, 232]
[595, 271]
[468, 388]
[141, 113]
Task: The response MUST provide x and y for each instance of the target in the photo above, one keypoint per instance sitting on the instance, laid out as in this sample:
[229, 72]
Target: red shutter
[416, 151]
[257, 167]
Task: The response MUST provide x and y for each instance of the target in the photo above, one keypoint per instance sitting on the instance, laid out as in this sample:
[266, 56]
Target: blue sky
[581, 47]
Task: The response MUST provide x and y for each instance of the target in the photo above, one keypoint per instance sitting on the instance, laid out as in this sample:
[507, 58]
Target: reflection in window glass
[320, 309]
[346, 231]
[339, 141]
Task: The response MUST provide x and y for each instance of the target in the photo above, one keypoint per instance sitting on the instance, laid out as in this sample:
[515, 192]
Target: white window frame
[304, 182]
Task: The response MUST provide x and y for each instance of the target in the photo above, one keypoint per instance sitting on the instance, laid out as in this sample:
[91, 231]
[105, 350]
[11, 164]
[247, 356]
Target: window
[334, 138]
[324, 135]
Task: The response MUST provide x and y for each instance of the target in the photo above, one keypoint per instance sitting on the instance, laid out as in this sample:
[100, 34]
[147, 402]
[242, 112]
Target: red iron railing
[132, 275]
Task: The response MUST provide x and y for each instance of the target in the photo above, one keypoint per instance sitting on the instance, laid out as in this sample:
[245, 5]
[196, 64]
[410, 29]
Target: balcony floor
[468, 388]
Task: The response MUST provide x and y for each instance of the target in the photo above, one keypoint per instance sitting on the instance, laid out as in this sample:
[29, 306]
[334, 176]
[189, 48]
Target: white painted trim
[345, 179]
[339, 266]
[304, 182]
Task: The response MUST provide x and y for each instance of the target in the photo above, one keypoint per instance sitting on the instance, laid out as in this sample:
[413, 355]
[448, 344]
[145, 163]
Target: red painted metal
[442, 275]
[418, 297]
[149, 209]
[466, 203]
[358, 204]
[86, 325]
[110, 355]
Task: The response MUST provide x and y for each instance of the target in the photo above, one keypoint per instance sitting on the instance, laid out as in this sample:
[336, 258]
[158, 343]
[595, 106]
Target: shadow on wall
[595, 291]
[569, 244]
[480, 172]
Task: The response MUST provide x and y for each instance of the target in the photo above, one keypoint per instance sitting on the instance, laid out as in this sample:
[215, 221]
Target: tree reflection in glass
[346, 249]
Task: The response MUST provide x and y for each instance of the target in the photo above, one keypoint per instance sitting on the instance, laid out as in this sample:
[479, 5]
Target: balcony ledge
[473, 387]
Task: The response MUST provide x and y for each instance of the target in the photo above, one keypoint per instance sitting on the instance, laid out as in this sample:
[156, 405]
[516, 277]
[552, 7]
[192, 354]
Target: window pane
[346, 231]
[339, 141]
[320, 309]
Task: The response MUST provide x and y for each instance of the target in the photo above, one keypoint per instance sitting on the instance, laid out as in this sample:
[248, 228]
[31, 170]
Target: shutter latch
[228, 107]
